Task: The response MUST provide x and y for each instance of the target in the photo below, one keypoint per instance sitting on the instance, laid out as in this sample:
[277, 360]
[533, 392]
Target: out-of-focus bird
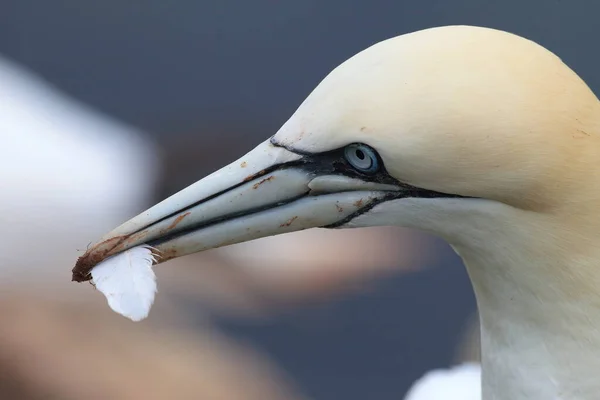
[481, 137]
[66, 172]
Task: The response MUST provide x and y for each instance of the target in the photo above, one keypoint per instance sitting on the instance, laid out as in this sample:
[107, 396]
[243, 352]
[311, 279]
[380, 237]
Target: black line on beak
[217, 194]
[330, 162]
[175, 234]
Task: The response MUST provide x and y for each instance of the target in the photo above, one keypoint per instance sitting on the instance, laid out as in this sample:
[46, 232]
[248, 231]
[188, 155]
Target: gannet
[478, 136]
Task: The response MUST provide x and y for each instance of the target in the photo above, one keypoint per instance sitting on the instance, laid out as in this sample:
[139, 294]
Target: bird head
[447, 115]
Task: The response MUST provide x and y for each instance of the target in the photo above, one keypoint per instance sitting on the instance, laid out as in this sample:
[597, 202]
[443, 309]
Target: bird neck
[537, 284]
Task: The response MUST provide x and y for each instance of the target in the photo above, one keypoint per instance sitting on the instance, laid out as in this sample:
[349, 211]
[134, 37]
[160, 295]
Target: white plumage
[462, 382]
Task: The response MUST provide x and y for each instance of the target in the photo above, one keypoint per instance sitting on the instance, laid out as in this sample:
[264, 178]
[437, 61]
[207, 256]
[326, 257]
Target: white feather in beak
[128, 282]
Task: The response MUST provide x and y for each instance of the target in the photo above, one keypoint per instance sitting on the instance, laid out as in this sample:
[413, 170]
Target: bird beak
[269, 191]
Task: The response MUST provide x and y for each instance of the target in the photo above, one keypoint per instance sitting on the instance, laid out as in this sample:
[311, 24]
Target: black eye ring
[362, 157]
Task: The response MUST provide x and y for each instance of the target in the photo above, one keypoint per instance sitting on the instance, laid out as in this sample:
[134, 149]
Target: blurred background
[109, 106]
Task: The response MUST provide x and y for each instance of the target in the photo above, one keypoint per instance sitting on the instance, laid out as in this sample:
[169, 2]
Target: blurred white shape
[128, 282]
[462, 382]
[67, 175]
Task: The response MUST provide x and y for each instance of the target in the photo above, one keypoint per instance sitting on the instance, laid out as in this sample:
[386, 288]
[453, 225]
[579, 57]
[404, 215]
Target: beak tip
[81, 270]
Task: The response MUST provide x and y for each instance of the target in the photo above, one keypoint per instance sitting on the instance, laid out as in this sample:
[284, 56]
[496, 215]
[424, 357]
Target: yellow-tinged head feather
[465, 110]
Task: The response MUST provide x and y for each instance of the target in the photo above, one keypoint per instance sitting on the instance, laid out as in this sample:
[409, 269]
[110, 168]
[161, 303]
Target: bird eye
[362, 157]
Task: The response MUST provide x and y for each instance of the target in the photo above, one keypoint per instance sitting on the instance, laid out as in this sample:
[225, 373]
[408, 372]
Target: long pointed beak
[269, 191]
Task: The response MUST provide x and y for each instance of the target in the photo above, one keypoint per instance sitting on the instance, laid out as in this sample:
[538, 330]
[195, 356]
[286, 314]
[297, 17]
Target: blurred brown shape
[51, 350]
